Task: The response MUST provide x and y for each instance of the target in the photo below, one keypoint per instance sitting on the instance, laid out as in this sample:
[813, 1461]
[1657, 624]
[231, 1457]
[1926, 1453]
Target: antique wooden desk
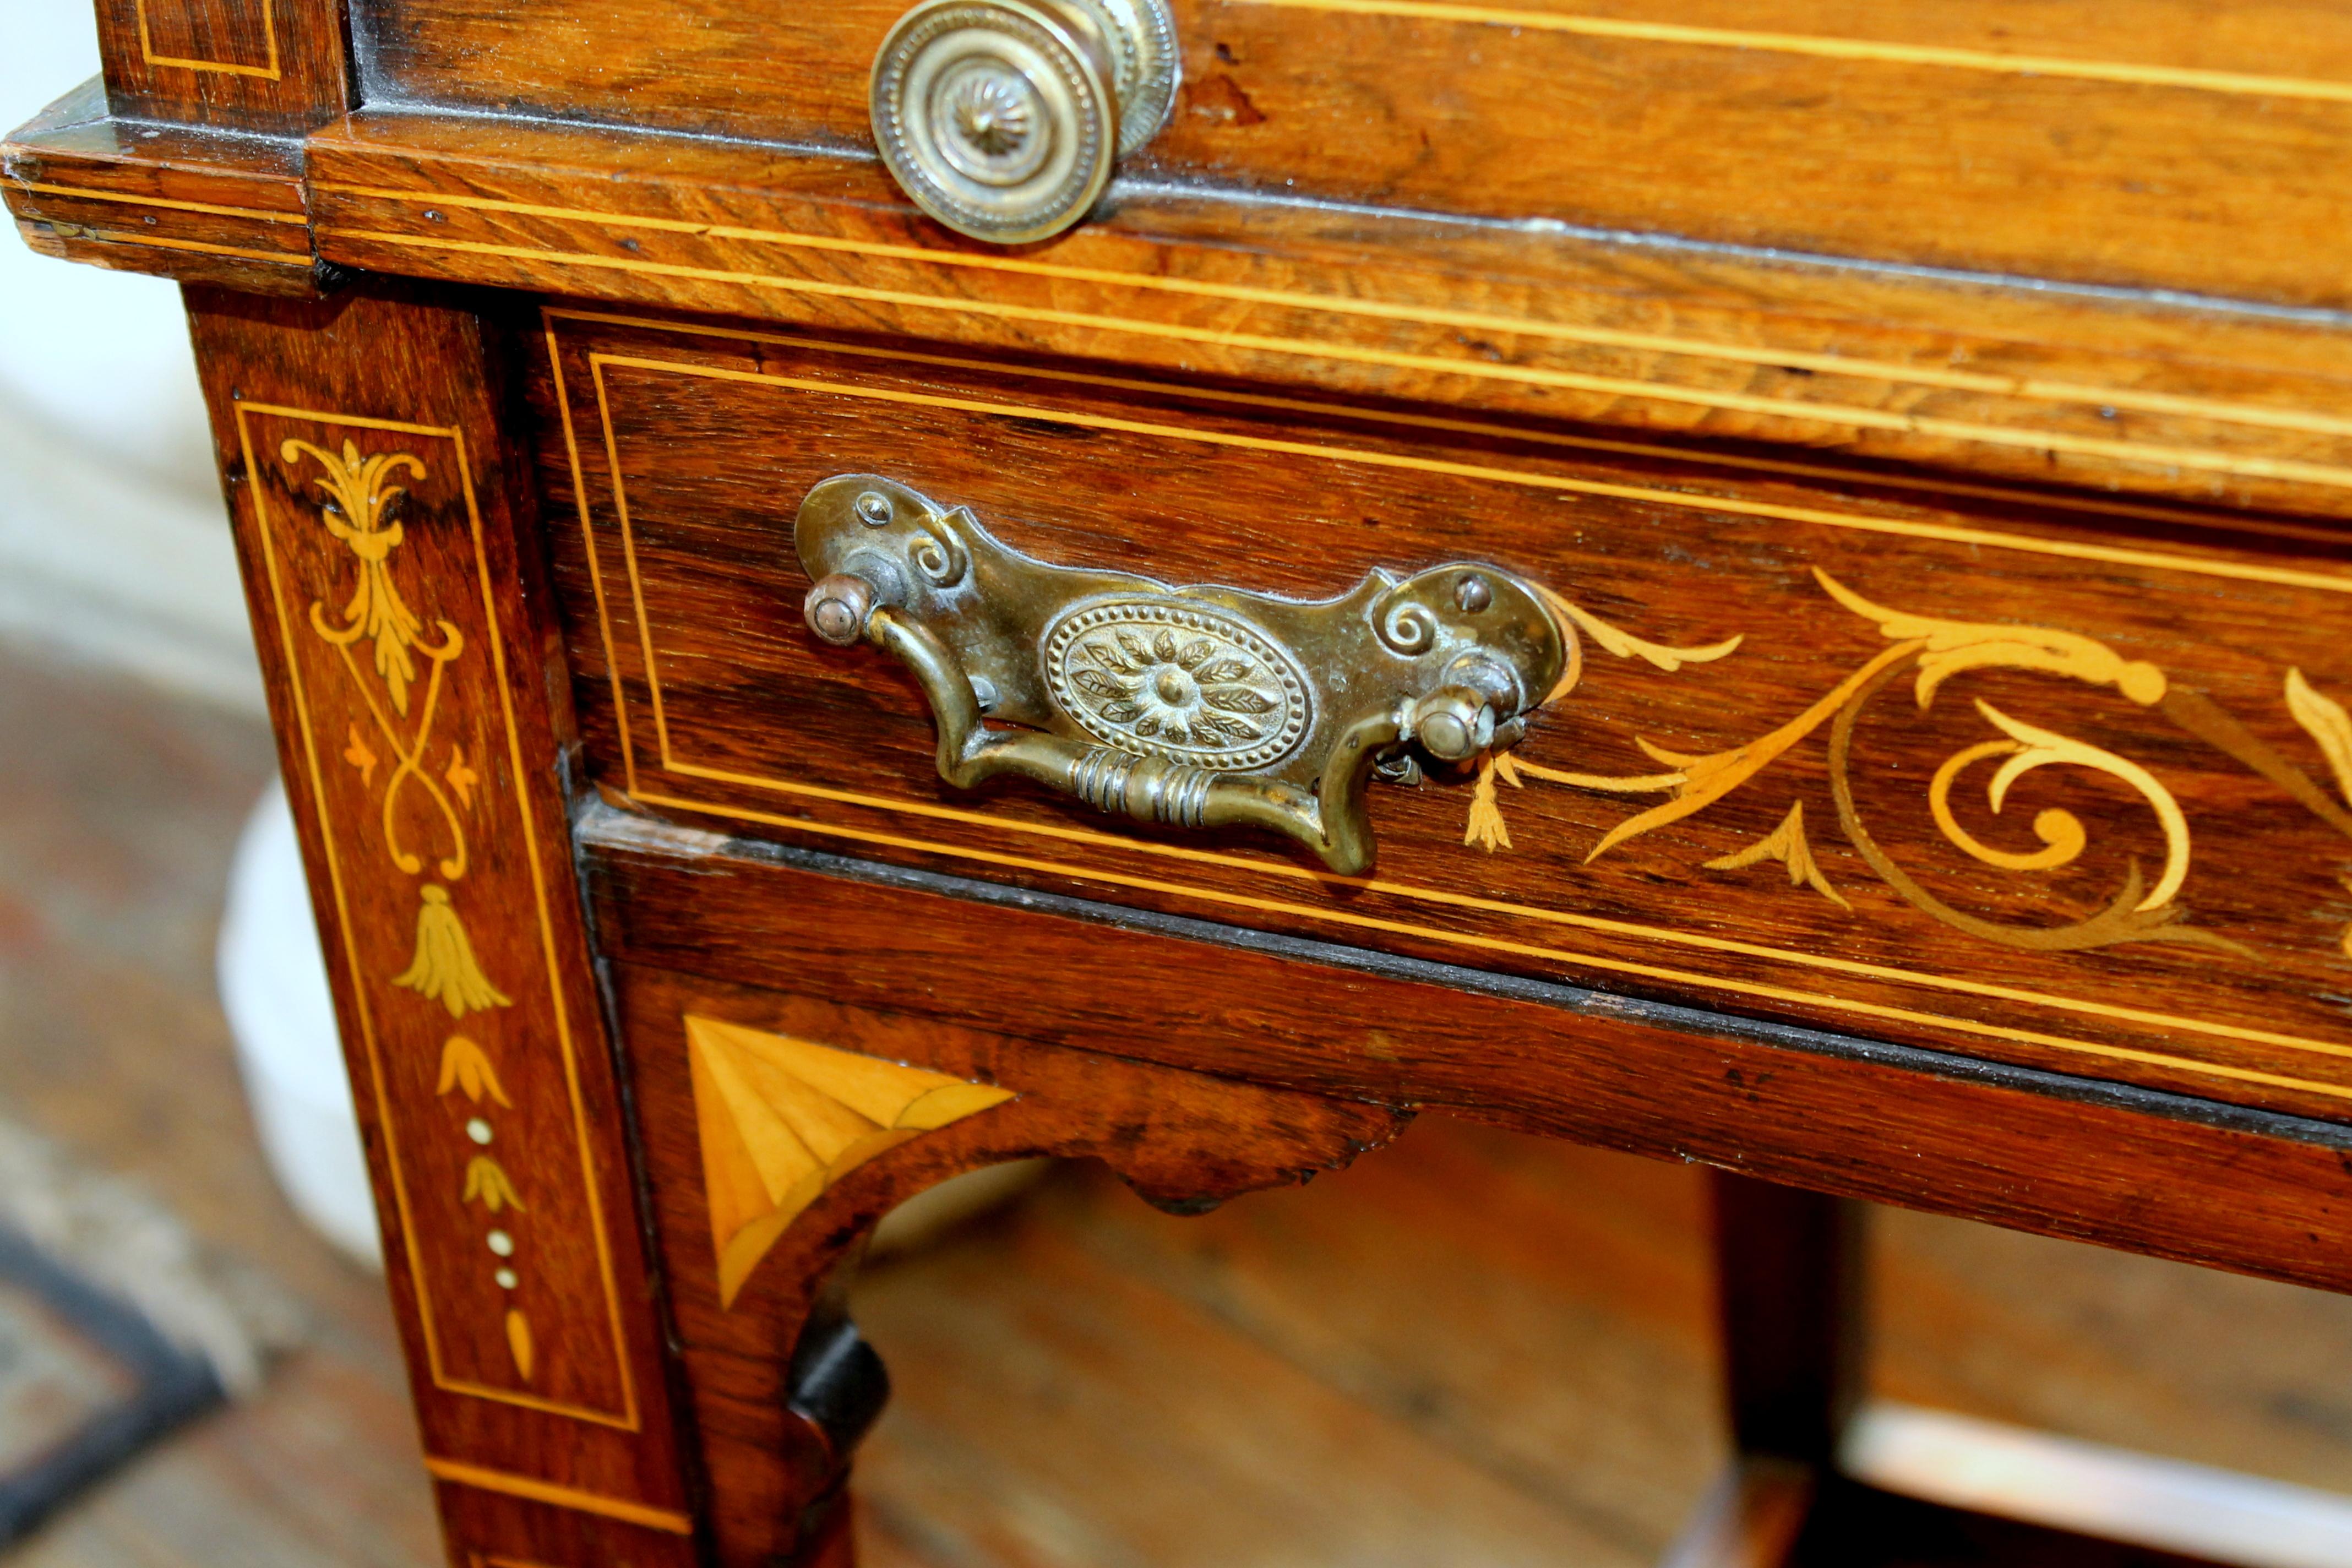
[1825, 528]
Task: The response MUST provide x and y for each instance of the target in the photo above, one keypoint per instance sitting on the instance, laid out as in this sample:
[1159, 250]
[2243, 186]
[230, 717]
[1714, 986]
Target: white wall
[113, 543]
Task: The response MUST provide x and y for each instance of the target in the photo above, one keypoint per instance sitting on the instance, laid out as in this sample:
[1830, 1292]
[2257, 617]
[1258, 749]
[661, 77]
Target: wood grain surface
[2161, 901]
[194, 205]
[1790, 1293]
[2102, 391]
[369, 471]
[2144, 144]
[269, 66]
[2106, 390]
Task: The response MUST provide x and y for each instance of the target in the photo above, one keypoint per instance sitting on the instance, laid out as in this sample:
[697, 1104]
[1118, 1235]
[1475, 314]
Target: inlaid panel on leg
[379, 537]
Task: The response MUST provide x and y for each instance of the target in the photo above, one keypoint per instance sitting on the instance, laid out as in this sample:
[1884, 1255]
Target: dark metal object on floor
[162, 1387]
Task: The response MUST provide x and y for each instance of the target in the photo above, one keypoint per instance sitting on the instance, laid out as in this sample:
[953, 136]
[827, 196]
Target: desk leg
[1791, 1301]
[377, 475]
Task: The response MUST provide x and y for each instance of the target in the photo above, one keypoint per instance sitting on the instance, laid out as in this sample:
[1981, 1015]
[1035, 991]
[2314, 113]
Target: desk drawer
[2157, 143]
[1770, 791]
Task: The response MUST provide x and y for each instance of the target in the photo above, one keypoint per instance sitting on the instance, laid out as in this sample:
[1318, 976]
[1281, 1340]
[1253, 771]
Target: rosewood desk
[852, 592]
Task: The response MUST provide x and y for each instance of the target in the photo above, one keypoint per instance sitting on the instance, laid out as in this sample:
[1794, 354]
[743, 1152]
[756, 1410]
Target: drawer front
[1772, 791]
[2157, 143]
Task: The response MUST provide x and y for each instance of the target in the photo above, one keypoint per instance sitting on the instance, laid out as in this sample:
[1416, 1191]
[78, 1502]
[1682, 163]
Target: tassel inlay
[445, 970]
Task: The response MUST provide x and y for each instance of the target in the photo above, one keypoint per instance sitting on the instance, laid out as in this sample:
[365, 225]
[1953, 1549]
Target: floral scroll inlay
[488, 1183]
[363, 508]
[2326, 722]
[1932, 651]
[460, 777]
[356, 752]
[360, 508]
[1788, 845]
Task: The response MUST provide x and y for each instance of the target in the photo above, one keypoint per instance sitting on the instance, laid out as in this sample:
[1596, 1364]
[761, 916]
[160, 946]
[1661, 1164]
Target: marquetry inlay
[379, 589]
[782, 1120]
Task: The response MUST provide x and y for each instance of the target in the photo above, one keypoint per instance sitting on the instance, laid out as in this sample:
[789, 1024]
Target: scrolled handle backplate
[1194, 707]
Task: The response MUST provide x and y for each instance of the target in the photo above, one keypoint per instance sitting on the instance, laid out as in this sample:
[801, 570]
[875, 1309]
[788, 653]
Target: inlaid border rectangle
[627, 1417]
[269, 72]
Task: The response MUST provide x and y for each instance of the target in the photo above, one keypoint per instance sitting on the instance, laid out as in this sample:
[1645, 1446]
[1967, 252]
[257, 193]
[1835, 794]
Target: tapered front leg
[373, 478]
[1793, 1318]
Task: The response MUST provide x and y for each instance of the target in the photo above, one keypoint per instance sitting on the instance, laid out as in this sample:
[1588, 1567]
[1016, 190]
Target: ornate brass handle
[1000, 118]
[1195, 707]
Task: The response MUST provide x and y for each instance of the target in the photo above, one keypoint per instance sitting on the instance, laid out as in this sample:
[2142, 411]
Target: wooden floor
[1471, 1349]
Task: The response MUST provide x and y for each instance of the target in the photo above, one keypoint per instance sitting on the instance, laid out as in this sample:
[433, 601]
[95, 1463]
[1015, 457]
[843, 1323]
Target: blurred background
[1471, 1349]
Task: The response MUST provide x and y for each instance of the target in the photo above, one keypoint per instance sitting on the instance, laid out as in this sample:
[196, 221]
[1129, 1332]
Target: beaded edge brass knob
[1002, 118]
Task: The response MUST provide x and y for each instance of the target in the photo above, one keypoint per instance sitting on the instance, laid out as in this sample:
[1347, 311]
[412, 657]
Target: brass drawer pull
[1194, 707]
[1002, 118]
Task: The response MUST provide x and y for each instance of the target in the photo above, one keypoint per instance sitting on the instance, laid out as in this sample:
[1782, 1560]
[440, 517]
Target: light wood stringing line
[1990, 435]
[268, 33]
[301, 259]
[1874, 50]
[672, 765]
[628, 1420]
[2025, 388]
[495, 634]
[629, 552]
[458, 1473]
[1937, 488]
[1496, 906]
[87, 193]
[588, 542]
[2334, 583]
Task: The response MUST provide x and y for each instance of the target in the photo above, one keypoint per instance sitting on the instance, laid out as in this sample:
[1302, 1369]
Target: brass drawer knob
[1002, 118]
[1190, 707]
